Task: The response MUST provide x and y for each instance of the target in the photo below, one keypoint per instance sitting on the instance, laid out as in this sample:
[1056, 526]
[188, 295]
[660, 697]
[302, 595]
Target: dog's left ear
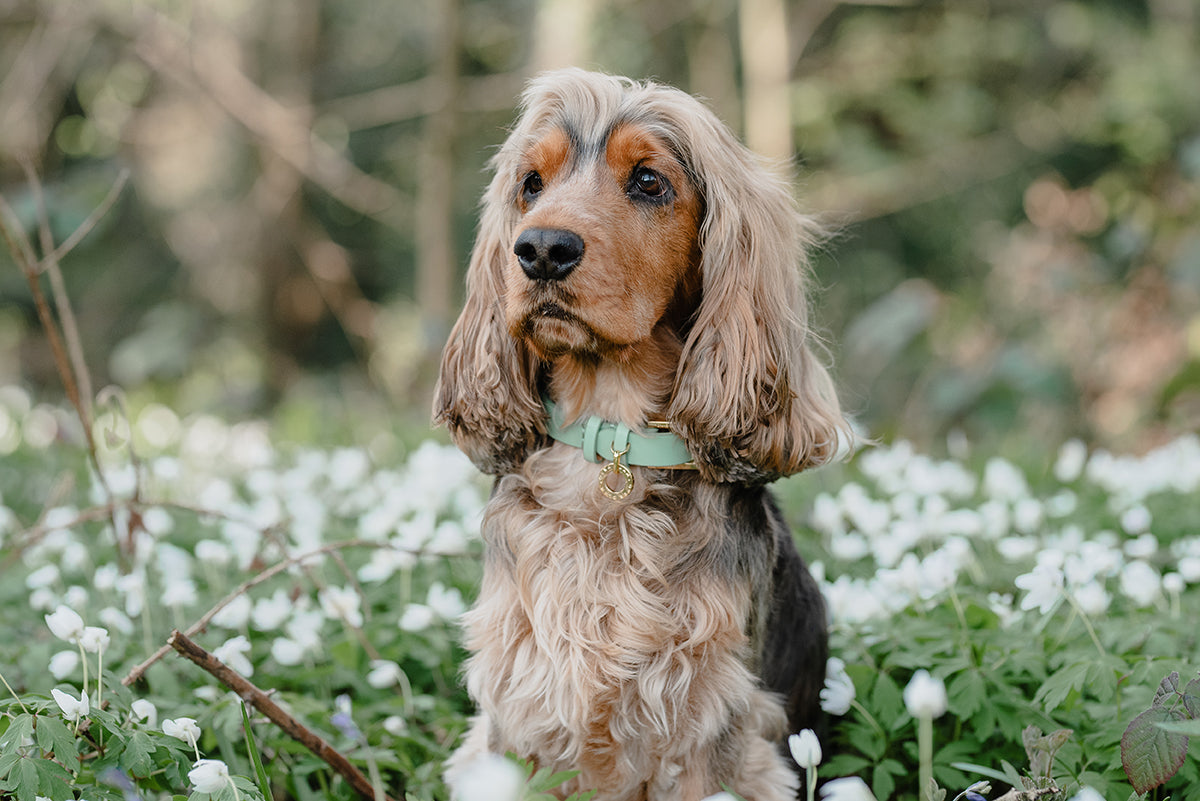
[486, 393]
[752, 398]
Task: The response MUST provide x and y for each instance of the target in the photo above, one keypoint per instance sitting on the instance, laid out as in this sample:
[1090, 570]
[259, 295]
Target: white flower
[179, 592]
[1173, 583]
[805, 748]
[233, 653]
[146, 711]
[446, 603]
[213, 552]
[271, 613]
[182, 729]
[287, 652]
[209, 776]
[1136, 520]
[1043, 587]
[490, 777]
[94, 639]
[341, 603]
[72, 708]
[1141, 583]
[65, 623]
[416, 617]
[1072, 457]
[925, 696]
[1087, 794]
[384, 673]
[114, 618]
[395, 725]
[43, 577]
[838, 693]
[1003, 481]
[63, 664]
[234, 614]
[848, 789]
[1092, 598]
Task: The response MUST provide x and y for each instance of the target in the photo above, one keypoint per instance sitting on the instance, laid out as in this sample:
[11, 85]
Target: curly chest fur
[602, 624]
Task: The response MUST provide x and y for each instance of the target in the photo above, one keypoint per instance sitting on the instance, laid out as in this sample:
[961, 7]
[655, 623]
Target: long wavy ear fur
[751, 397]
[486, 392]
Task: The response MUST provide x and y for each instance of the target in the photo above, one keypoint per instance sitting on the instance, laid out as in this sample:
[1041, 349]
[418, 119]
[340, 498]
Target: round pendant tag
[623, 473]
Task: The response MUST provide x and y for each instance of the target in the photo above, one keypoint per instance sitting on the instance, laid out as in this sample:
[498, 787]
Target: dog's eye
[532, 187]
[648, 183]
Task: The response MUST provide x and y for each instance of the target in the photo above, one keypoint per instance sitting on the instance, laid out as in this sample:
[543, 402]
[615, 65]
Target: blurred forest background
[1016, 184]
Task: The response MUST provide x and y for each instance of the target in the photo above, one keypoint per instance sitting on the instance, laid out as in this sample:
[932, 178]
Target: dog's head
[619, 210]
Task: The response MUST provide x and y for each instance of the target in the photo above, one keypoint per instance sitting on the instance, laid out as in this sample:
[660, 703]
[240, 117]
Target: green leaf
[26, 781]
[19, 731]
[1149, 754]
[883, 782]
[1062, 683]
[888, 700]
[1168, 687]
[1189, 728]
[54, 737]
[53, 780]
[260, 773]
[966, 693]
[137, 758]
[1191, 698]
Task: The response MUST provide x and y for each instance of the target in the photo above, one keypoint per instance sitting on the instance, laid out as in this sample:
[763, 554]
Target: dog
[633, 363]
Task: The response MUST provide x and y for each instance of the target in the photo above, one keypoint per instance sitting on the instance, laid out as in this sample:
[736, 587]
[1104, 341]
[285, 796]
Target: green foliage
[1155, 745]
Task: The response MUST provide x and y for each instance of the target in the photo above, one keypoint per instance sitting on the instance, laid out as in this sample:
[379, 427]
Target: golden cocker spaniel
[634, 364]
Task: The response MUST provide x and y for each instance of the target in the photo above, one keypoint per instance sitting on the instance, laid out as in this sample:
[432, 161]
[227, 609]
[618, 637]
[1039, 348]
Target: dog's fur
[663, 644]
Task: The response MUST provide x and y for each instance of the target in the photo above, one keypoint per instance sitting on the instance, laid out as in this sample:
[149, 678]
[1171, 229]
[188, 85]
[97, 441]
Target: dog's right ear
[486, 394]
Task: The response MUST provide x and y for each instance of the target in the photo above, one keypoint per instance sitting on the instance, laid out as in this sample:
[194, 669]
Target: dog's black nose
[548, 254]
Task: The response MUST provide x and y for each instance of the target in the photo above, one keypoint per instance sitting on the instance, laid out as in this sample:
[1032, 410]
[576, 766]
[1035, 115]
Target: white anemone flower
[489, 777]
[925, 696]
[63, 664]
[342, 603]
[94, 639]
[146, 711]
[446, 603]
[384, 673]
[417, 617]
[1043, 587]
[209, 776]
[805, 748]
[73, 709]
[233, 653]
[182, 729]
[838, 693]
[851, 788]
[65, 623]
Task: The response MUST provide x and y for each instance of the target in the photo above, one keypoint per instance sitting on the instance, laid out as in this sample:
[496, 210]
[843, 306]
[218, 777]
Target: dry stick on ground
[260, 701]
[137, 672]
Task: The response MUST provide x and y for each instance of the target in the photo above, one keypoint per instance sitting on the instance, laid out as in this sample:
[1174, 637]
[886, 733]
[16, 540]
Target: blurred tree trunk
[437, 268]
[290, 303]
[765, 67]
[711, 63]
[563, 35]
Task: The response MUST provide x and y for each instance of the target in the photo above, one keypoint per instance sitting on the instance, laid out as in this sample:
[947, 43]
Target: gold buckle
[615, 466]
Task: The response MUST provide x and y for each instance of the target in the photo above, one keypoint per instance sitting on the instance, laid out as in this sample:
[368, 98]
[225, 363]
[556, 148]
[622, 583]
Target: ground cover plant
[1056, 606]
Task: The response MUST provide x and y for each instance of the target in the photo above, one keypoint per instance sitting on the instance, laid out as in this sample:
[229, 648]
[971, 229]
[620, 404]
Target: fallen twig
[263, 703]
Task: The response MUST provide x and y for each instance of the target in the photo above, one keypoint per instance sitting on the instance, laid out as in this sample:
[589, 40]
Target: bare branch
[87, 225]
[200, 625]
[263, 703]
[286, 131]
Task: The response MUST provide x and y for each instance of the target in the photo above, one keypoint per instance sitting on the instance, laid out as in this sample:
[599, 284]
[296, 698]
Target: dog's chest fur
[609, 636]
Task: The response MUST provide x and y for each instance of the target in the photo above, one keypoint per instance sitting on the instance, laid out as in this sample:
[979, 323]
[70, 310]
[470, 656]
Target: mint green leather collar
[602, 441]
